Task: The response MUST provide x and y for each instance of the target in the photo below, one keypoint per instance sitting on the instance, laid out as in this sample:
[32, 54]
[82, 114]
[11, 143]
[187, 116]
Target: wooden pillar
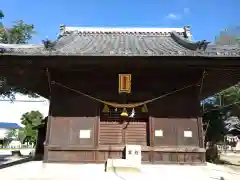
[151, 138]
[200, 132]
[46, 142]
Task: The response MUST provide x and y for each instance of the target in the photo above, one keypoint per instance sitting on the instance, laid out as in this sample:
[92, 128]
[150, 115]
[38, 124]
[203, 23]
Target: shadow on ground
[16, 162]
[3, 159]
[227, 163]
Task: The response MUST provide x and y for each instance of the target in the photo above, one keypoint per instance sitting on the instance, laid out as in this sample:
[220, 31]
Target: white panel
[85, 134]
[159, 133]
[187, 133]
[134, 154]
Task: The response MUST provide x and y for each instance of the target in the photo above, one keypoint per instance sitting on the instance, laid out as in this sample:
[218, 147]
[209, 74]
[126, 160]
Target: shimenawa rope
[129, 105]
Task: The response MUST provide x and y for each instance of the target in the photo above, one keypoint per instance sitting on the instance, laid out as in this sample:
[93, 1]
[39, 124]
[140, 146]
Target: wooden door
[110, 128]
[117, 130]
[135, 131]
[111, 133]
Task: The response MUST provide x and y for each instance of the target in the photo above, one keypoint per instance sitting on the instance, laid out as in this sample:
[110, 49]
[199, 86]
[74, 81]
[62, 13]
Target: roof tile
[124, 42]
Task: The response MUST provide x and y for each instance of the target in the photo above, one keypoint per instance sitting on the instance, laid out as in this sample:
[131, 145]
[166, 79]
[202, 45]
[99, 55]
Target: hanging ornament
[124, 112]
[105, 109]
[132, 113]
[144, 108]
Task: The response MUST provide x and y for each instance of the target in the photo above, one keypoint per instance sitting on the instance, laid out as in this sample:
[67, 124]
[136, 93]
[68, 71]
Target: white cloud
[173, 16]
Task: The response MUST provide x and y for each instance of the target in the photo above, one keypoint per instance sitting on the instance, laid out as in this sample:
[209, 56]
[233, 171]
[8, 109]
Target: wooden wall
[174, 114]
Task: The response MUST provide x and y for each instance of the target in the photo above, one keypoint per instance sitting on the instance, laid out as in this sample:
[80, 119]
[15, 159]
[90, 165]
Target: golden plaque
[124, 83]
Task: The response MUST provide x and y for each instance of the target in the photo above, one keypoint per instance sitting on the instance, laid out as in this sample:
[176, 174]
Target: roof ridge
[66, 30]
[120, 29]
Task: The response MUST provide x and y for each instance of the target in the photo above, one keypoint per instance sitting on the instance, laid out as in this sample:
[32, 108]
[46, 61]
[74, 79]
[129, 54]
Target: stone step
[122, 165]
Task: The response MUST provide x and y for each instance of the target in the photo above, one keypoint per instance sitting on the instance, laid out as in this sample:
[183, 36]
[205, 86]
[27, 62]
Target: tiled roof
[122, 42]
[6, 125]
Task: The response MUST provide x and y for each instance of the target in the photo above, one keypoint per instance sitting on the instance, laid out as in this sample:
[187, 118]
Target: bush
[212, 154]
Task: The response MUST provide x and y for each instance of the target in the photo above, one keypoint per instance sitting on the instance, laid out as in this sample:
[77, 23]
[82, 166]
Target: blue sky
[206, 17]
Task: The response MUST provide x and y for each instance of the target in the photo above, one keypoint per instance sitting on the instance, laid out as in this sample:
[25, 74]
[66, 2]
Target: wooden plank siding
[108, 140]
[111, 133]
[136, 132]
[173, 132]
[130, 132]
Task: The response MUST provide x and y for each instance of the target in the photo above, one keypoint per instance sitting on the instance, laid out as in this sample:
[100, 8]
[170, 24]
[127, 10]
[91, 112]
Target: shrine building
[109, 87]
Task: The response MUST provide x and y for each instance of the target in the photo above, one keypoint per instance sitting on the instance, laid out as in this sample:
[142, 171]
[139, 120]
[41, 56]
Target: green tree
[30, 120]
[1, 17]
[213, 119]
[232, 96]
[21, 135]
[1, 24]
[229, 36]
[18, 33]
[218, 113]
[12, 134]
[1, 14]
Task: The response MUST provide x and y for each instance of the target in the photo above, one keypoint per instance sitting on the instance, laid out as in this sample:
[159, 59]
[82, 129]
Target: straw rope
[129, 105]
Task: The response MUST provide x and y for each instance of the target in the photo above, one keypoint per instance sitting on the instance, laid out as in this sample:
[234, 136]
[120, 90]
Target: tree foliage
[1, 17]
[30, 120]
[213, 121]
[232, 96]
[221, 114]
[18, 33]
[12, 134]
[16, 134]
[1, 14]
[21, 135]
[222, 111]
[229, 36]
[10, 92]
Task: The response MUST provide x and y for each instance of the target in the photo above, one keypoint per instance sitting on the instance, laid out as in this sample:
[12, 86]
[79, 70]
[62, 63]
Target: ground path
[36, 170]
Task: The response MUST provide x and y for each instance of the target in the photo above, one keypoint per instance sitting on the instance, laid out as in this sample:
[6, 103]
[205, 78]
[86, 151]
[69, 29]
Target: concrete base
[121, 165]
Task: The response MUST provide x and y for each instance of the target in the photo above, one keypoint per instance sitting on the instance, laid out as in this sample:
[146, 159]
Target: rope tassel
[144, 108]
[105, 109]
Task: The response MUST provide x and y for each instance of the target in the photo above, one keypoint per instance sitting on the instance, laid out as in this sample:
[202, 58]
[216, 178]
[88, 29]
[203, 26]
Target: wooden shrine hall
[109, 87]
